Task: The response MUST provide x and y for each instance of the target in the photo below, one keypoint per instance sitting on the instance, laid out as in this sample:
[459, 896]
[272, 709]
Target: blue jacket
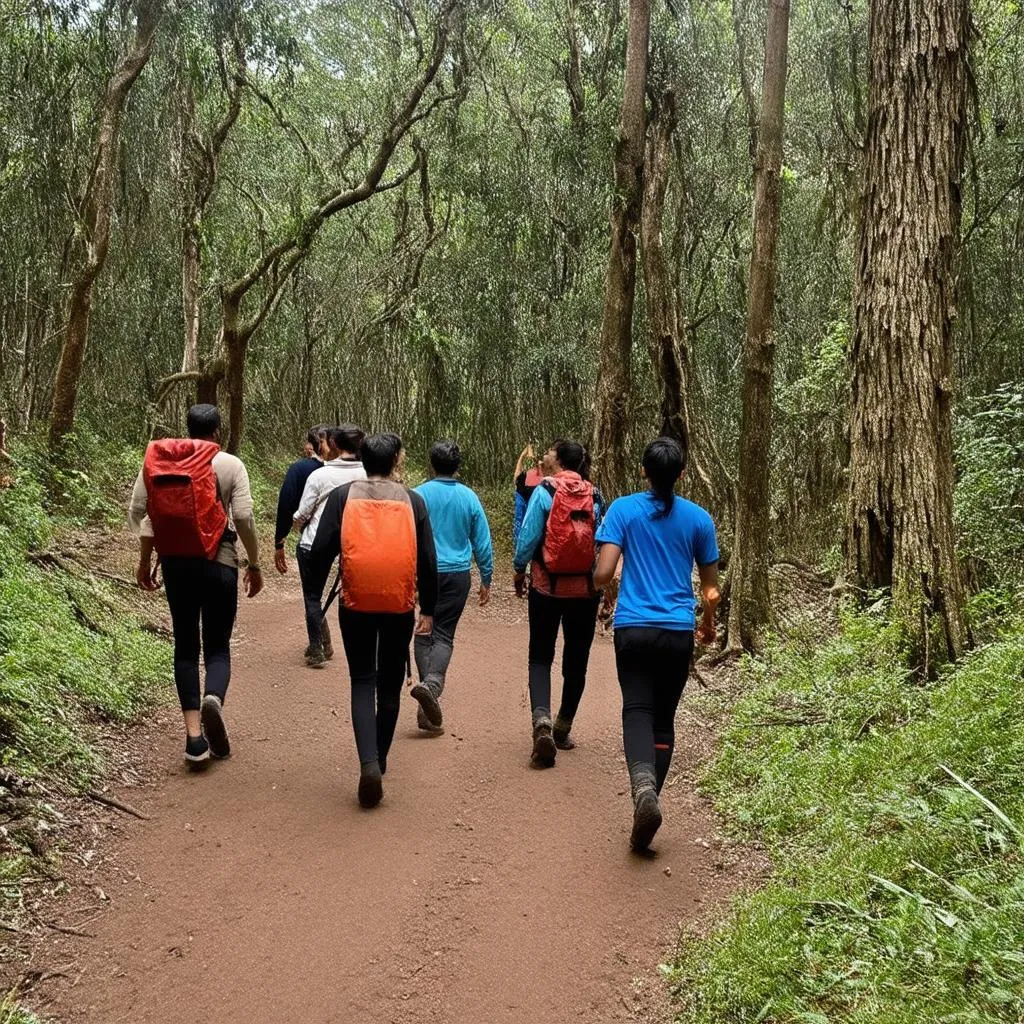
[459, 526]
[291, 494]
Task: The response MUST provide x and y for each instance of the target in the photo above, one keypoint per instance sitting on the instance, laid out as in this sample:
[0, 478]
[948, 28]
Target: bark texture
[900, 521]
[94, 221]
[614, 385]
[749, 597]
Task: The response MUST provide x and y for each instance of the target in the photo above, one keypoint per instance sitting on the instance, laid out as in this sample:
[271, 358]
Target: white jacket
[330, 476]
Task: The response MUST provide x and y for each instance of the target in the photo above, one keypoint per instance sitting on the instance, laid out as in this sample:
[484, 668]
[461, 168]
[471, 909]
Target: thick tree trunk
[614, 385]
[900, 521]
[94, 220]
[749, 604]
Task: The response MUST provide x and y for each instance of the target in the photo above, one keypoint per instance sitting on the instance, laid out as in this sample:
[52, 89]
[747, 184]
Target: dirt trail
[480, 890]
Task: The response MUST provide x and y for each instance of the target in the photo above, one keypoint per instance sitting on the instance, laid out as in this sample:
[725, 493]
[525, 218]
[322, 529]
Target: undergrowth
[894, 816]
[71, 658]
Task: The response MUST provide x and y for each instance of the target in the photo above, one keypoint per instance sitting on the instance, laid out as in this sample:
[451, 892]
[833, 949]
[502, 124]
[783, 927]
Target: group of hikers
[397, 548]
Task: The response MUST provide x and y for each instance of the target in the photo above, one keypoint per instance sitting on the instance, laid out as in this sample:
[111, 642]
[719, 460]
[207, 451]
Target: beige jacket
[234, 490]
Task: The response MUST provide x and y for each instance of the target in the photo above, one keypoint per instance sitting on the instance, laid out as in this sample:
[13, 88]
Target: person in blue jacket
[461, 533]
[659, 538]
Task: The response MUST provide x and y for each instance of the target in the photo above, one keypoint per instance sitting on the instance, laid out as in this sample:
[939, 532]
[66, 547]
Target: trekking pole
[335, 588]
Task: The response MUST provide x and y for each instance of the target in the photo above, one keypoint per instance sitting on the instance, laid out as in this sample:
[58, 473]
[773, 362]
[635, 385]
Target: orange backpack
[378, 548]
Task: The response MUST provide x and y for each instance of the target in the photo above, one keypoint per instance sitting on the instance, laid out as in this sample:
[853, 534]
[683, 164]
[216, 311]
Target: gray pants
[434, 652]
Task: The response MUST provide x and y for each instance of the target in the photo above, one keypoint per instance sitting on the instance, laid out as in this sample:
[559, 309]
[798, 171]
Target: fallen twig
[64, 930]
[118, 805]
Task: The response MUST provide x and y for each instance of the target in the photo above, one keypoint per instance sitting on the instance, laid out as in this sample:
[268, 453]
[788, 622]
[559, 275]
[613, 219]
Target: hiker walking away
[190, 504]
[341, 466]
[382, 531]
[557, 537]
[525, 481]
[659, 538]
[460, 530]
[288, 498]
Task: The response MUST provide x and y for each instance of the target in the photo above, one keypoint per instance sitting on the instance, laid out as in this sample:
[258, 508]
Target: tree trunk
[662, 315]
[900, 521]
[94, 219]
[749, 605]
[614, 385]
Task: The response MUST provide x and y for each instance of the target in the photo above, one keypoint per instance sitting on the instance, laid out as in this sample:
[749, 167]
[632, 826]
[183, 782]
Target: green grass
[894, 817]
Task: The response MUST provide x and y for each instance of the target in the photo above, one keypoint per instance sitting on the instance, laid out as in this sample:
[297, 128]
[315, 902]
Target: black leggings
[652, 665]
[578, 619]
[377, 649]
[202, 593]
[313, 582]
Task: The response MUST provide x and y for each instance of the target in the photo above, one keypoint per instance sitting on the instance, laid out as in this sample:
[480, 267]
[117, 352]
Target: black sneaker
[212, 716]
[424, 724]
[371, 786]
[646, 820]
[428, 703]
[315, 657]
[197, 753]
[544, 749]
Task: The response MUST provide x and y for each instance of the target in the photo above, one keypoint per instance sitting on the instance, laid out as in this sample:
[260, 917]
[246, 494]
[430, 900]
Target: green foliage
[11, 1013]
[71, 656]
[894, 816]
[989, 497]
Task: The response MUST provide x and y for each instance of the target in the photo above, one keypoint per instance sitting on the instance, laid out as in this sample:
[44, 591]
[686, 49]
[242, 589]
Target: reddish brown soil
[479, 891]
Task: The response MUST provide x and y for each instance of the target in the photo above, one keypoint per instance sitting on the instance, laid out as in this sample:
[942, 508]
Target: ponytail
[663, 463]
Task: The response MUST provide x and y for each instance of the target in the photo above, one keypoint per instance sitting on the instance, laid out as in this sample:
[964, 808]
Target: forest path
[480, 890]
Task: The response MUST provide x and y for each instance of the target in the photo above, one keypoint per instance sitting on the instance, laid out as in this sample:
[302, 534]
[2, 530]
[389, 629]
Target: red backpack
[569, 536]
[183, 498]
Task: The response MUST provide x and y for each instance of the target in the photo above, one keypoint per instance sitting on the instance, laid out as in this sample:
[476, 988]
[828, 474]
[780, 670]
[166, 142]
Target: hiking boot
[560, 731]
[216, 732]
[646, 820]
[371, 786]
[423, 722]
[197, 753]
[424, 693]
[315, 657]
[544, 749]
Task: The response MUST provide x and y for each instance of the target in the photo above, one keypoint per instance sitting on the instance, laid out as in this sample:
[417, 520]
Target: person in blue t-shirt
[460, 531]
[659, 538]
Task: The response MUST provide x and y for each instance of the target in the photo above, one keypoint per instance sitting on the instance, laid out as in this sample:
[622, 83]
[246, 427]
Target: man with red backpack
[190, 504]
[381, 530]
[557, 537]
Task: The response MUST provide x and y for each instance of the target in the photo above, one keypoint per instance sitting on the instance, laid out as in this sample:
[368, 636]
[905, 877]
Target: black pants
[313, 583]
[377, 649]
[578, 619]
[652, 666]
[201, 594]
[434, 650]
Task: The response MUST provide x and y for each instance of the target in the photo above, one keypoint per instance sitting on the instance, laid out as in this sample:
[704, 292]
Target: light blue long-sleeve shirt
[531, 533]
[460, 528]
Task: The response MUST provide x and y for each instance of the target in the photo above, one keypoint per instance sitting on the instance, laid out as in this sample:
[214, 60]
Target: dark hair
[584, 470]
[445, 457]
[663, 463]
[379, 453]
[571, 455]
[203, 420]
[346, 438]
[315, 435]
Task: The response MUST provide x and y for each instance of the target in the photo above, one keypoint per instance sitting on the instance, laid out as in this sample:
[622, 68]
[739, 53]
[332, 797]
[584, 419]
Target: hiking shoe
[315, 657]
[371, 787]
[197, 753]
[562, 735]
[646, 820]
[544, 749]
[424, 723]
[216, 732]
[428, 704]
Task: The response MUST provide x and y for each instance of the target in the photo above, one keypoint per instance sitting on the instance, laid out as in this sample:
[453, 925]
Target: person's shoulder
[695, 513]
[227, 461]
